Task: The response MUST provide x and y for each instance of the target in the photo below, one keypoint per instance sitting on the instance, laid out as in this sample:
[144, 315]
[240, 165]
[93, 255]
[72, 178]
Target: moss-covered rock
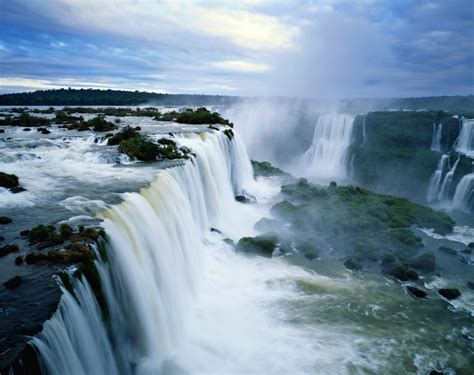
[425, 262]
[265, 169]
[261, 245]
[352, 264]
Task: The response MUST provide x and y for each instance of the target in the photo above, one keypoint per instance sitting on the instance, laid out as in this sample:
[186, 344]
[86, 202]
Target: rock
[352, 264]
[412, 275]
[435, 372]
[242, 199]
[4, 220]
[310, 255]
[262, 245]
[13, 283]
[43, 131]
[418, 293]
[2, 131]
[8, 181]
[447, 250]
[216, 230]
[2, 238]
[25, 233]
[228, 241]
[466, 251]
[425, 262]
[470, 245]
[266, 225]
[449, 293]
[5, 250]
[17, 189]
[26, 129]
[35, 257]
[470, 284]
[398, 271]
[19, 260]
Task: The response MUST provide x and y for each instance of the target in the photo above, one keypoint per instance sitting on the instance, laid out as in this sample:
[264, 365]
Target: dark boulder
[17, 189]
[25, 233]
[470, 284]
[8, 180]
[418, 293]
[4, 220]
[352, 264]
[436, 372]
[262, 245]
[26, 129]
[5, 250]
[470, 245]
[19, 260]
[449, 293]
[242, 199]
[2, 238]
[13, 283]
[425, 262]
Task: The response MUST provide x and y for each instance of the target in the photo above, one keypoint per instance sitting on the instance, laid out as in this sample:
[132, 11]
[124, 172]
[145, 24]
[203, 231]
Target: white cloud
[242, 66]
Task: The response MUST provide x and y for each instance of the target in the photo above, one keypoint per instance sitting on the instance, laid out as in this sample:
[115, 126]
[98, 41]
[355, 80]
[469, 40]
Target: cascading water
[436, 141]
[156, 250]
[464, 196]
[439, 187]
[465, 142]
[327, 158]
[436, 178]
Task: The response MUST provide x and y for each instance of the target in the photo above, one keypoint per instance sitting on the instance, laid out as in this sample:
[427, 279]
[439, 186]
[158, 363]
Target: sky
[313, 48]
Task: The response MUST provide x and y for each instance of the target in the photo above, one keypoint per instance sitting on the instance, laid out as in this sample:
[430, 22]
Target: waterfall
[434, 185]
[154, 242]
[364, 133]
[465, 142]
[327, 156]
[439, 186]
[464, 196]
[436, 140]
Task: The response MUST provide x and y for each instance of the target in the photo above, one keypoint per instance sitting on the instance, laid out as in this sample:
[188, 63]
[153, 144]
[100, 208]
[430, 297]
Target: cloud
[317, 48]
[242, 66]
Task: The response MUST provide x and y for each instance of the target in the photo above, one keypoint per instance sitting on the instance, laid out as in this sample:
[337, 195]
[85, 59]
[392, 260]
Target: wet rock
[425, 262]
[5, 250]
[418, 293]
[43, 131]
[471, 245]
[19, 260]
[398, 271]
[13, 283]
[310, 255]
[449, 293]
[4, 220]
[2, 238]
[216, 230]
[18, 189]
[2, 131]
[262, 245]
[35, 258]
[25, 233]
[8, 181]
[228, 241]
[26, 129]
[447, 250]
[436, 372]
[242, 199]
[467, 251]
[352, 264]
[470, 284]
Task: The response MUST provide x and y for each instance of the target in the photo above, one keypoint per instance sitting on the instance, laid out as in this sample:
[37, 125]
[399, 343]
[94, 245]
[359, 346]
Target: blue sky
[326, 48]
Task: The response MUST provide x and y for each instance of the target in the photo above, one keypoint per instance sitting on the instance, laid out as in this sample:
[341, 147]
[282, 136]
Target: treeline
[454, 104]
[109, 97]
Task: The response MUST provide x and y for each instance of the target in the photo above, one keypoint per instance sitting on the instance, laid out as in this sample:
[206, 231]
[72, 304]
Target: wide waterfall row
[327, 158]
[154, 241]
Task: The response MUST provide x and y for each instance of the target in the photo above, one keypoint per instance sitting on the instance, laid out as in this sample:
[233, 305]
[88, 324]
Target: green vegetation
[141, 147]
[8, 181]
[360, 224]
[265, 169]
[25, 119]
[195, 117]
[108, 97]
[100, 124]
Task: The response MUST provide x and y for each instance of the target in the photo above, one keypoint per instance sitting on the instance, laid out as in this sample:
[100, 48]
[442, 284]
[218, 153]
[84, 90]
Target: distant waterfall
[436, 178]
[154, 242]
[327, 157]
[465, 142]
[436, 140]
[464, 196]
[440, 182]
